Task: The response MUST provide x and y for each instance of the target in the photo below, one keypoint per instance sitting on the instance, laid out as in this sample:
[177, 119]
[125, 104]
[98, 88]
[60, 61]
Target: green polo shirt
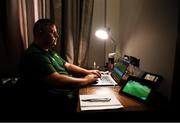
[37, 64]
[42, 62]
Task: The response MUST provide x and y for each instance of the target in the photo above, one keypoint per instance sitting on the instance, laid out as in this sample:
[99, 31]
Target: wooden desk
[132, 111]
[128, 103]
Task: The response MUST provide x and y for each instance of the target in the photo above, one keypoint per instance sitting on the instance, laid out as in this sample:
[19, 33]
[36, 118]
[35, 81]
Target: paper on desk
[112, 104]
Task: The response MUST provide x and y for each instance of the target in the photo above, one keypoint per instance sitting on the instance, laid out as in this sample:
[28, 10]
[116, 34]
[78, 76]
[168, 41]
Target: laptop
[139, 89]
[114, 77]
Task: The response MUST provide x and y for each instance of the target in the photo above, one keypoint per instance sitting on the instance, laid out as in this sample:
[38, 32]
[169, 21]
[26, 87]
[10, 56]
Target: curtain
[3, 55]
[29, 12]
[20, 16]
[85, 32]
[73, 20]
[12, 37]
[76, 28]
[56, 15]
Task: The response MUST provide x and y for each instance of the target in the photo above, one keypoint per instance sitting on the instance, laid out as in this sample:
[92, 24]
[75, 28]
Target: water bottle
[111, 61]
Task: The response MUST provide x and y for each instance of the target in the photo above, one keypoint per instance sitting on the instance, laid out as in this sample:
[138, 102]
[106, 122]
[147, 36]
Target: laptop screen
[119, 70]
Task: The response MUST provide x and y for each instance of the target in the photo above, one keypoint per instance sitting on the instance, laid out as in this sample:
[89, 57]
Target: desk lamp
[105, 34]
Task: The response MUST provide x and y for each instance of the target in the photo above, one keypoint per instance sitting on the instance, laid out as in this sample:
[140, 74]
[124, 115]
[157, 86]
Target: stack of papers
[99, 102]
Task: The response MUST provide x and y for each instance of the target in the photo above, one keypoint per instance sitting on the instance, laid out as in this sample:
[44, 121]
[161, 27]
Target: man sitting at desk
[45, 74]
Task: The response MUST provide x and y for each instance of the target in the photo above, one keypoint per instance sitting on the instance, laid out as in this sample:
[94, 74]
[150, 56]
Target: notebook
[114, 77]
[139, 89]
[99, 102]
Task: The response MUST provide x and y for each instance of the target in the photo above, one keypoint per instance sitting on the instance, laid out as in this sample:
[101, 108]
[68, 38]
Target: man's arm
[67, 82]
[79, 70]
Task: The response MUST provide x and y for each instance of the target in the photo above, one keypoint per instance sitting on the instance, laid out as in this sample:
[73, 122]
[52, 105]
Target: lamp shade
[102, 34]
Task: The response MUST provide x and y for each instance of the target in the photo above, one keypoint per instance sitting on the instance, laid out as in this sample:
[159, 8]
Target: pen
[97, 100]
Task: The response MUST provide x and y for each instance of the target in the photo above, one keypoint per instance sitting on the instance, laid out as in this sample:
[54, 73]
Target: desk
[132, 111]
[128, 103]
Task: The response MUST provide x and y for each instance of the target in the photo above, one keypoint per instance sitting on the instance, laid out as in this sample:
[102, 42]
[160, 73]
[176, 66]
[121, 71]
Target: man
[45, 74]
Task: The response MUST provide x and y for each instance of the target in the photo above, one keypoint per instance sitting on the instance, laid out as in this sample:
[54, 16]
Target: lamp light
[104, 34]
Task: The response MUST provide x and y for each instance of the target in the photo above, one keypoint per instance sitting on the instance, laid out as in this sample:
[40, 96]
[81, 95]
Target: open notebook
[99, 102]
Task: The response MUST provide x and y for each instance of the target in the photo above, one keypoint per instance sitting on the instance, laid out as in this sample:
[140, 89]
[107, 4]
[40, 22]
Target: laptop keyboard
[105, 79]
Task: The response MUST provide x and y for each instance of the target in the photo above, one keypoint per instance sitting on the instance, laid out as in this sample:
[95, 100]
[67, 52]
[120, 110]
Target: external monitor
[139, 89]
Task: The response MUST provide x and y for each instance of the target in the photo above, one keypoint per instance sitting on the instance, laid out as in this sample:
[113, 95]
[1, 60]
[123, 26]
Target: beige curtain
[77, 16]
[85, 32]
[29, 12]
[77, 19]
[56, 15]
[72, 17]
[13, 40]
[20, 17]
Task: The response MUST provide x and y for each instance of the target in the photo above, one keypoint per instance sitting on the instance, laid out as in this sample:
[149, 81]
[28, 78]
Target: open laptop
[139, 89]
[114, 77]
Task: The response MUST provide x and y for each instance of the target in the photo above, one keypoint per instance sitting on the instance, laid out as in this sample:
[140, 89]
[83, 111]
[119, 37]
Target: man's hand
[95, 72]
[91, 78]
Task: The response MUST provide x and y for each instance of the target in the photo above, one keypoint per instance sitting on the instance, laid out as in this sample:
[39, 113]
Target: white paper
[87, 105]
[100, 108]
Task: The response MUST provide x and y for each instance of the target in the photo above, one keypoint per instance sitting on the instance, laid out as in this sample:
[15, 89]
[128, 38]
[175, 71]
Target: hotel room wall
[148, 30]
[113, 22]
[97, 50]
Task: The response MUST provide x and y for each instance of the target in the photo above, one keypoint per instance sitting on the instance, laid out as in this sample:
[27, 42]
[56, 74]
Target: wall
[113, 22]
[148, 30]
[96, 52]
[99, 49]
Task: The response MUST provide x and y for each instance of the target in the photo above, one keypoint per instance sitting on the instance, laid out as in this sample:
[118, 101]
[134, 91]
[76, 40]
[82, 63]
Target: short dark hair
[41, 24]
